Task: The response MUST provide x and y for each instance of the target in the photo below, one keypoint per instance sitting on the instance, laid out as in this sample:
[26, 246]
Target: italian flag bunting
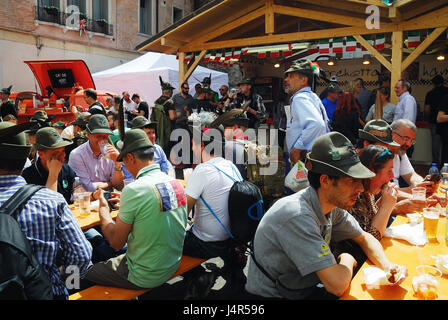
[289, 52]
[228, 54]
[245, 50]
[338, 45]
[262, 54]
[413, 39]
[369, 40]
[324, 46]
[275, 54]
[218, 54]
[350, 44]
[207, 56]
[188, 56]
[380, 41]
[313, 49]
[236, 53]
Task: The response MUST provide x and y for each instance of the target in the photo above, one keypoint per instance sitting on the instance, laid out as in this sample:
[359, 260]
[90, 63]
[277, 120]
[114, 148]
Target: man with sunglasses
[181, 101]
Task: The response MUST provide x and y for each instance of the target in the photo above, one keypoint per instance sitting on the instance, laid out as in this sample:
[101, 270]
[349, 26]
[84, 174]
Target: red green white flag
[413, 39]
[350, 44]
[218, 54]
[289, 52]
[313, 49]
[207, 56]
[324, 46]
[368, 38]
[228, 54]
[338, 45]
[188, 56]
[236, 53]
[380, 41]
[262, 54]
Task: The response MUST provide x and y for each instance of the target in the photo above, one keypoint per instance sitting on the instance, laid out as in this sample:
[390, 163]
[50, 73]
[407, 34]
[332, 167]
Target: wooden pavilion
[221, 24]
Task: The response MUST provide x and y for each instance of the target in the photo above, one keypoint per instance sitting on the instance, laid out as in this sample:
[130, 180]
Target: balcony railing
[53, 15]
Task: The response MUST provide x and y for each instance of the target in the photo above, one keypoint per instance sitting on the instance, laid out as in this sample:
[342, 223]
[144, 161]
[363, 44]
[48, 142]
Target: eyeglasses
[406, 138]
[186, 88]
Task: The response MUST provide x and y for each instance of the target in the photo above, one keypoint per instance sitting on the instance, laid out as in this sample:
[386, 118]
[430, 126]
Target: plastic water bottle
[433, 170]
[444, 173]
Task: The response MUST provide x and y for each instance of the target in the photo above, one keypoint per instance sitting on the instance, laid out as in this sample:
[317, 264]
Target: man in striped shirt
[46, 219]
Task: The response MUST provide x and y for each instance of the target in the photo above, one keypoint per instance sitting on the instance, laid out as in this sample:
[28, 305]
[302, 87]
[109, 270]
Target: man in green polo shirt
[152, 219]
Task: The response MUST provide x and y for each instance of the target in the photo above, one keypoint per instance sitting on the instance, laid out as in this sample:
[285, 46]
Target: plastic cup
[419, 193]
[84, 203]
[426, 282]
[103, 147]
[127, 181]
[431, 221]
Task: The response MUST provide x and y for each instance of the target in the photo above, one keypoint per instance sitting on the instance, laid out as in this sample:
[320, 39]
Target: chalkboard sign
[61, 78]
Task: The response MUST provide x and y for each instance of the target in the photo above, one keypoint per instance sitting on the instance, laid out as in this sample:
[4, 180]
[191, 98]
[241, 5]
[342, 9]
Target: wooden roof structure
[221, 24]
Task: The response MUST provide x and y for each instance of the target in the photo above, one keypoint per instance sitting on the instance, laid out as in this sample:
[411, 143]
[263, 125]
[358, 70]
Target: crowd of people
[308, 245]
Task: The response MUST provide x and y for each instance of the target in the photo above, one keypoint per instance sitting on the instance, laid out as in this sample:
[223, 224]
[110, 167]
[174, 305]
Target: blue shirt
[406, 108]
[308, 120]
[330, 107]
[51, 229]
[161, 159]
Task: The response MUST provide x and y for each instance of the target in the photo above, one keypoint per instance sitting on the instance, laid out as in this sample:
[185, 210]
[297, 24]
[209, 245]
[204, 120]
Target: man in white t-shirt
[209, 188]
[130, 107]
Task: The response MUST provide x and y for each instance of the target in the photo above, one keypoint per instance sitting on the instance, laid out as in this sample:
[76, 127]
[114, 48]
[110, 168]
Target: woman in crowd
[346, 118]
[388, 108]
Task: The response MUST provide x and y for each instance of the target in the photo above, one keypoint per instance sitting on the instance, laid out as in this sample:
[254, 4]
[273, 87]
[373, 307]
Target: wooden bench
[98, 292]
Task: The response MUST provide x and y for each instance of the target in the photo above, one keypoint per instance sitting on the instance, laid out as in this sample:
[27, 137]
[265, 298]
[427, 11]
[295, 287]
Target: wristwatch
[119, 168]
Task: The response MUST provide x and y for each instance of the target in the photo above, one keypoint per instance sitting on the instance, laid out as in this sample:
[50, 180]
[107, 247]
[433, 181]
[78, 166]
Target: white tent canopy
[141, 76]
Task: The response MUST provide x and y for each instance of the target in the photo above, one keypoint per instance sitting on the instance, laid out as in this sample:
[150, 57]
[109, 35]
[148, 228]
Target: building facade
[103, 33]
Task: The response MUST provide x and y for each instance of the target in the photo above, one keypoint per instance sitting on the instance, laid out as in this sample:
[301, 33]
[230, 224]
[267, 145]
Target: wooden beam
[421, 8]
[269, 21]
[422, 47]
[171, 43]
[375, 53]
[395, 14]
[182, 67]
[320, 16]
[287, 37]
[397, 56]
[228, 27]
[434, 19]
[400, 3]
[193, 66]
[377, 3]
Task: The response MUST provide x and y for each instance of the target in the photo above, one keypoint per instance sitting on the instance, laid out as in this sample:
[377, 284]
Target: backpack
[245, 208]
[163, 128]
[21, 275]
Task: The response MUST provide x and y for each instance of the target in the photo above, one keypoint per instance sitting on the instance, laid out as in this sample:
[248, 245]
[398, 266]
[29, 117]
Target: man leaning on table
[152, 219]
[292, 241]
[94, 170]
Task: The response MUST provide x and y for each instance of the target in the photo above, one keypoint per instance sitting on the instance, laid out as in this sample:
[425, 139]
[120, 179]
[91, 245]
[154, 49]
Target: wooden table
[403, 253]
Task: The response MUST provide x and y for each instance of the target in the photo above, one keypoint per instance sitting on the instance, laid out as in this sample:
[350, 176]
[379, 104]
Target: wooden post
[182, 67]
[397, 56]
[378, 106]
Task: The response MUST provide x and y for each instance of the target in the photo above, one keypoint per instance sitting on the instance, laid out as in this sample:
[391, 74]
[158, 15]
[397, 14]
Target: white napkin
[412, 233]
[441, 262]
[95, 205]
[375, 277]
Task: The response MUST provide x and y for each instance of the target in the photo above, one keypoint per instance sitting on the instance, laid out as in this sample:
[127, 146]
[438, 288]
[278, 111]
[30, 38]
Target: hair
[90, 93]
[117, 100]
[407, 84]
[144, 154]
[9, 117]
[184, 83]
[109, 99]
[346, 104]
[308, 76]
[135, 95]
[361, 81]
[353, 86]
[12, 165]
[398, 124]
[369, 157]
[385, 91]
[314, 179]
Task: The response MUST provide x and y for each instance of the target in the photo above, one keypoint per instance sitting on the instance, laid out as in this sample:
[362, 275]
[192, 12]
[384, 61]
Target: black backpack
[21, 274]
[245, 209]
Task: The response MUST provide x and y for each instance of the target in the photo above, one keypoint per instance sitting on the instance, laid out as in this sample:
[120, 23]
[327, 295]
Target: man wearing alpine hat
[93, 169]
[292, 241]
[308, 116]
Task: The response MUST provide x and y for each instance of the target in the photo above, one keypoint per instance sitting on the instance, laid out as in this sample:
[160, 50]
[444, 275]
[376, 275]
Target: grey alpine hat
[13, 144]
[231, 117]
[378, 130]
[82, 119]
[141, 122]
[49, 138]
[333, 154]
[98, 124]
[333, 87]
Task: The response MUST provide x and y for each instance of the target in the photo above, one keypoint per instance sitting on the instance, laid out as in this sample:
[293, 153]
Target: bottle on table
[77, 189]
[444, 173]
[433, 170]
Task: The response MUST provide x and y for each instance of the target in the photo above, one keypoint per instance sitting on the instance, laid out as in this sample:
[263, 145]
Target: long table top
[403, 253]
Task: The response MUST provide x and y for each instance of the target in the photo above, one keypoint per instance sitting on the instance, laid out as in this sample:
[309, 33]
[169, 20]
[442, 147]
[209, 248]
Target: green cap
[59, 125]
[13, 143]
[82, 119]
[231, 117]
[245, 81]
[39, 115]
[333, 154]
[134, 139]
[141, 122]
[378, 130]
[98, 124]
[49, 138]
[303, 66]
[165, 85]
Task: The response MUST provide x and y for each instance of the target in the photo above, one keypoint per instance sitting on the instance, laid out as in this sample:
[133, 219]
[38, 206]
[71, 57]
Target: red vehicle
[61, 84]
